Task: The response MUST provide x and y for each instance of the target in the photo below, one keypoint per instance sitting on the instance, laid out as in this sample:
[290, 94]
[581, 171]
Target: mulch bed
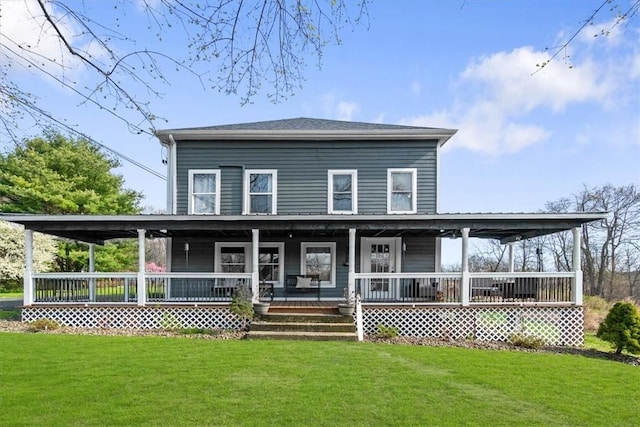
[19, 327]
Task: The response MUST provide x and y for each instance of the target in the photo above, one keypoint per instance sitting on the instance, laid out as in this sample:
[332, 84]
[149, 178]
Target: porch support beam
[352, 261]
[255, 264]
[511, 258]
[92, 269]
[28, 267]
[142, 285]
[465, 283]
[577, 268]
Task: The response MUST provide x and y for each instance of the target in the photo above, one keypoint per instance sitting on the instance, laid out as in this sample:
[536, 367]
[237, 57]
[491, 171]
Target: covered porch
[372, 267]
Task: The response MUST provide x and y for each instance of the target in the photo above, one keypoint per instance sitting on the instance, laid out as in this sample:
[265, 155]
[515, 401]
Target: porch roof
[506, 227]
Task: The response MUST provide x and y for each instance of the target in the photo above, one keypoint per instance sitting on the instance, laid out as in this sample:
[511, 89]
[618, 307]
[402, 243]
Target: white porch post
[352, 261]
[464, 284]
[28, 267]
[92, 269]
[142, 285]
[577, 268]
[255, 264]
[511, 258]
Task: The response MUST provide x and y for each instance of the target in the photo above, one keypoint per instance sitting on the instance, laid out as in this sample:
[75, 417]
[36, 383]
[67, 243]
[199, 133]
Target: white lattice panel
[556, 325]
[136, 317]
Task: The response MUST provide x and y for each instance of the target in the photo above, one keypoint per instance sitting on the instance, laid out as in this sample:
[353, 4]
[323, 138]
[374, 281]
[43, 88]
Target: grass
[72, 380]
[11, 295]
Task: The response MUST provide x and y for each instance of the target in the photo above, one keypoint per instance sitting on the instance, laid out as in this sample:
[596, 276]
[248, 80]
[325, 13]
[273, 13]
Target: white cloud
[340, 109]
[497, 95]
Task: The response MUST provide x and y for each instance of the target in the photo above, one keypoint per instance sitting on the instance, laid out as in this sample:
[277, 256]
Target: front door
[380, 255]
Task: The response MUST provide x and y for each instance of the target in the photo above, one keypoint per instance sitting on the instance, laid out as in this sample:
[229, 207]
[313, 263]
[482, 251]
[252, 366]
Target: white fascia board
[442, 135]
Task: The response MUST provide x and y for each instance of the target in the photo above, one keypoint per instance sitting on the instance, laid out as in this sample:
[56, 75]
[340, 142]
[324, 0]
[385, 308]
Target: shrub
[526, 341]
[387, 332]
[621, 328]
[43, 325]
[241, 304]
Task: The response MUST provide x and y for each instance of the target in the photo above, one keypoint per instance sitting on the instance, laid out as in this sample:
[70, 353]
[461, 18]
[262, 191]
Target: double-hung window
[343, 192]
[204, 191]
[320, 259]
[235, 257]
[401, 191]
[260, 191]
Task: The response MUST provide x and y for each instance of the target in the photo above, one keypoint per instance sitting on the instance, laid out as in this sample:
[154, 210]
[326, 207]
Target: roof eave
[442, 135]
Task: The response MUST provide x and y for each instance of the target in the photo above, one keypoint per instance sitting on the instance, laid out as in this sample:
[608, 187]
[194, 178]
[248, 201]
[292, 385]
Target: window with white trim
[235, 257]
[271, 265]
[401, 190]
[204, 191]
[232, 257]
[260, 191]
[343, 192]
[320, 259]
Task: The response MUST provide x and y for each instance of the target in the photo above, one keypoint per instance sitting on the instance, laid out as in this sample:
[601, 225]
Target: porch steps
[296, 326]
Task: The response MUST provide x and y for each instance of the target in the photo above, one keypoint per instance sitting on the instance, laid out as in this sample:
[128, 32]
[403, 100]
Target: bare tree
[231, 46]
[606, 242]
[620, 13]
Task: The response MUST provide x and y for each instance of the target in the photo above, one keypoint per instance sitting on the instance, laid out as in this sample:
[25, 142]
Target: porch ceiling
[504, 227]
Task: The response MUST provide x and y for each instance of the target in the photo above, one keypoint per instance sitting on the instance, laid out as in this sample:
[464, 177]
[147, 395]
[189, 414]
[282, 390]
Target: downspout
[173, 174]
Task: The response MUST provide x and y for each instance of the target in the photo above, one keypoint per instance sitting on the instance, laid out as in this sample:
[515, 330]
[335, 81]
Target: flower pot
[261, 307]
[346, 309]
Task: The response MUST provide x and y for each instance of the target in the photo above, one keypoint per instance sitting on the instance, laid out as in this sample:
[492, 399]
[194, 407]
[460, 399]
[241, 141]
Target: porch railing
[521, 287]
[85, 287]
[123, 287]
[494, 288]
[193, 287]
[409, 287]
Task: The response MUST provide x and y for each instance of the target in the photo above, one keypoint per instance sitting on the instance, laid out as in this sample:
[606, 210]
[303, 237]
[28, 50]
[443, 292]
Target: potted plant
[262, 306]
[348, 304]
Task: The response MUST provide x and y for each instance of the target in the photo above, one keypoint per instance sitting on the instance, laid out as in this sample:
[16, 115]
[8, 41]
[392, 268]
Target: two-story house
[311, 209]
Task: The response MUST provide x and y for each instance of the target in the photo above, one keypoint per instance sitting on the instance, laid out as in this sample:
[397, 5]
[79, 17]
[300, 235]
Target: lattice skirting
[556, 325]
[157, 317]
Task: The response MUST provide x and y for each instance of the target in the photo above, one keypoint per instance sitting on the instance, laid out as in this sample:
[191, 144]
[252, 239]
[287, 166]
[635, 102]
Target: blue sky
[525, 138]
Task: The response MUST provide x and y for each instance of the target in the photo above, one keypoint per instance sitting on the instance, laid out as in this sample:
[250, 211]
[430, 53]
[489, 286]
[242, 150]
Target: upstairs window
[204, 192]
[343, 192]
[260, 191]
[401, 191]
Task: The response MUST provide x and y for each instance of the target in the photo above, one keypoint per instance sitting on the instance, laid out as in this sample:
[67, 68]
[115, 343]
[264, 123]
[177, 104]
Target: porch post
[464, 284]
[142, 285]
[28, 267]
[255, 264]
[352, 261]
[577, 268]
[92, 269]
[511, 258]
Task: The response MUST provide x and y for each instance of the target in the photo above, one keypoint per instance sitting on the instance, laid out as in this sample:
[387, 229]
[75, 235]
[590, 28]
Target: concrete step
[302, 335]
[304, 318]
[303, 326]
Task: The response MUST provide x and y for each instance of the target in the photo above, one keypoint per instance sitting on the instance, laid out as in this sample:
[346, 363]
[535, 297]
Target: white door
[380, 255]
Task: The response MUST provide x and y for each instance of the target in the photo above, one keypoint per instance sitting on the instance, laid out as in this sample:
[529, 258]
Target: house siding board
[302, 171]
[420, 254]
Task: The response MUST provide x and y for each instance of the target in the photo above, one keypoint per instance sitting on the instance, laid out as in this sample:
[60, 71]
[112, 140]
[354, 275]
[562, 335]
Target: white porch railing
[61, 288]
[521, 287]
[194, 287]
[482, 288]
[84, 287]
[409, 287]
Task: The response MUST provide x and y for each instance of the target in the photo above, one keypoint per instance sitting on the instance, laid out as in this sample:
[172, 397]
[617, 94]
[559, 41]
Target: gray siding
[302, 171]
[419, 256]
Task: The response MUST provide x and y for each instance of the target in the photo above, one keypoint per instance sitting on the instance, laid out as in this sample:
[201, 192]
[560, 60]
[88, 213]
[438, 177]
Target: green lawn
[71, 380]
[11, 295]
